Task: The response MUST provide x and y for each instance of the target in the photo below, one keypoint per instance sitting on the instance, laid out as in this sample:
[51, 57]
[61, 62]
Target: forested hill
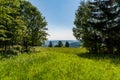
[73, 43]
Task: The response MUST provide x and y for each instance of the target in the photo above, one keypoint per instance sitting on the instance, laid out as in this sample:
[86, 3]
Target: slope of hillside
[60, 64]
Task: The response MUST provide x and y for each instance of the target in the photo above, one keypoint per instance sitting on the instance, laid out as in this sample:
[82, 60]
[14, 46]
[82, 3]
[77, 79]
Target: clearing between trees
[60, 64]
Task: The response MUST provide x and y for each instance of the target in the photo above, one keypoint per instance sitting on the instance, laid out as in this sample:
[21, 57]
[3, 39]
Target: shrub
[18, 48]
[29, 49]
[12, 51]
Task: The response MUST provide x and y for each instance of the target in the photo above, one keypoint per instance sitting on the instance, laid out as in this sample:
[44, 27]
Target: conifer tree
[67, 44]
[82, 30]
[50, 44]
[105, 19]
[60, 44]
[100, 27]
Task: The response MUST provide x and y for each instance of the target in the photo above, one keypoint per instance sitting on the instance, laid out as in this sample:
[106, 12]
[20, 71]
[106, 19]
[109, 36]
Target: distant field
[60, 64]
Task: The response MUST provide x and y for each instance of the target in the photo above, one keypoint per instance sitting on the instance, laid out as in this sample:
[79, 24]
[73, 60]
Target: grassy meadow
[60, 64]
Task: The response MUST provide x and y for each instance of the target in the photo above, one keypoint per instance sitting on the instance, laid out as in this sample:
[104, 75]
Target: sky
[60, 15]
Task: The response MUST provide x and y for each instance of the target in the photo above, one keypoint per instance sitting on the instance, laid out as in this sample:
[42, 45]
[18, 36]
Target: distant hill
[73, 43]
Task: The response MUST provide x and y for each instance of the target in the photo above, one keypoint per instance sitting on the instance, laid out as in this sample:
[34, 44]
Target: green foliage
[60, 44]
[56, 46]
[35, 23]
[106, 23]
[21, 24]
[67, 44]
[50, 44]
[18, 48]
[12, 51]
[11, 24]
[60, 64]
[97, 25]
[82, 30]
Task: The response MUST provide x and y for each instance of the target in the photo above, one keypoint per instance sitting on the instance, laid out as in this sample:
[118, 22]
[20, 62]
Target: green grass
[60, 64]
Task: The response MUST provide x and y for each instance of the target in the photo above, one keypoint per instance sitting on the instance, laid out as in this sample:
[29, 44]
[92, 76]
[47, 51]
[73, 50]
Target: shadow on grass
[7, 56]
[114, 58]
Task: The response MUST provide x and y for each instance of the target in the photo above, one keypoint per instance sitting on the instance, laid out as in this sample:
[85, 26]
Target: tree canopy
[50, 44]
[67, 44]
[21, 22]
[98, 26]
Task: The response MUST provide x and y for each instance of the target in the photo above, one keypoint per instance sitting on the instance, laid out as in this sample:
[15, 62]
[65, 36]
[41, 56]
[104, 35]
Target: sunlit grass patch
[60, 64]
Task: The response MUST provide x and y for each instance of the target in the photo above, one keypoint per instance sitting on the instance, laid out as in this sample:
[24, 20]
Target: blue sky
[60, 15]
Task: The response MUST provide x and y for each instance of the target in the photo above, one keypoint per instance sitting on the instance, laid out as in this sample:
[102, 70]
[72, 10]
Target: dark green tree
[82, 30]
[67, 44]
[35, 23]
[11, 24]
[98, 25]
[50, 44]
[60, 44]
[2, 35]
[105, 19]
[21, 23]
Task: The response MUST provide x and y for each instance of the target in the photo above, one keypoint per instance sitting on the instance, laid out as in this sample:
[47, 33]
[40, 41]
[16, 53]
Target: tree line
[21, 25]
[59, 44]
[97, 25]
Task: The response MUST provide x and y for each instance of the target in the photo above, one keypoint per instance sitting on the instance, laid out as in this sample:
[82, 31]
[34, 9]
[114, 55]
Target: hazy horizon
[62, 40]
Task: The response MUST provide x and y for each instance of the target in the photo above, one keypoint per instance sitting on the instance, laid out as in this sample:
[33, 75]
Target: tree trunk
[110, 50]
[5, 46]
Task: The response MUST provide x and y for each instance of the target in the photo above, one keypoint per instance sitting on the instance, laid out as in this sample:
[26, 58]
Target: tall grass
[60, 64]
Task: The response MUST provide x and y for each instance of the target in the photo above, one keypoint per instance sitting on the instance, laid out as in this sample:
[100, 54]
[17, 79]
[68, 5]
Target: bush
[18, 48]
[56, 46]
[15, 50]
[29, 49]
[12, 51]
